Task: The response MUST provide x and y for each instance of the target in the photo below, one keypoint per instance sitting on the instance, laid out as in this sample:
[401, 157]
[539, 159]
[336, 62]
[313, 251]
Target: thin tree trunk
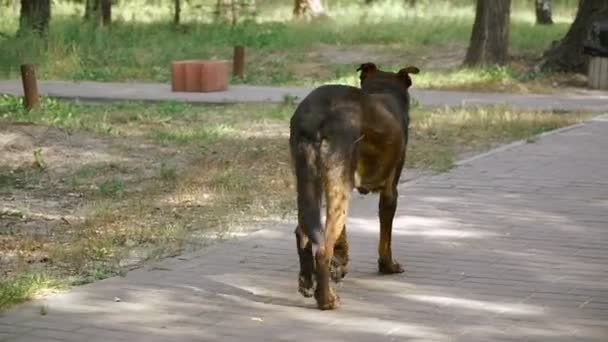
[299, 8]
[543, 12]
[234, 12]
[35, 16]
[313, 8]
[490, 35]
[177, 12]
[223, 9]
[567, 54]
[106, 12]
[91, 10]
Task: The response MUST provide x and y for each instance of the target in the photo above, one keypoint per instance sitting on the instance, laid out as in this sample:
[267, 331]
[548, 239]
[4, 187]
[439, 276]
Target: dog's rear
[330, 112]
[323, 135]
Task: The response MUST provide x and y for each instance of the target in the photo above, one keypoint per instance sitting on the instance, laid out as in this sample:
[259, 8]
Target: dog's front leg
[387, 208]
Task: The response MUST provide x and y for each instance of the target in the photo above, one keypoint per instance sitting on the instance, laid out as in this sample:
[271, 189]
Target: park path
[509, 246]
[590, 101]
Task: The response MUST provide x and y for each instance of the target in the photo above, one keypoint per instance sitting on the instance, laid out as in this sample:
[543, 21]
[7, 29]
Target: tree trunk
[412, 3]
[177, 12]
[543, 12]
[313, 8]
[35, 16]
[99, 11]
[106, 12]
[567, 54]
[490, 36]
[91, 9]
[224, 10]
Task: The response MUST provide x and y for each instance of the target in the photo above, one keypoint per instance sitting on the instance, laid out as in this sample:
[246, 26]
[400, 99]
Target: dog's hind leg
[338, 187]
[305, 278]
[305, 155]
[339, 263]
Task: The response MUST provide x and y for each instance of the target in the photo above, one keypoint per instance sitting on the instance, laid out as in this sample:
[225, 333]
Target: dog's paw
[306, 286]
[328, 300]
[337, 270]
[389, 267]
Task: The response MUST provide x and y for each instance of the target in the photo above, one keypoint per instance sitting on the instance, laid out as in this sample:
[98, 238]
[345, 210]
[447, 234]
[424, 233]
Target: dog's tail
[309, 184]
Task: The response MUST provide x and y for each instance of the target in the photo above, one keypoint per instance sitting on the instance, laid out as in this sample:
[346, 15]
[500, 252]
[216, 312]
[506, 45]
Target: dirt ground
[53, 181]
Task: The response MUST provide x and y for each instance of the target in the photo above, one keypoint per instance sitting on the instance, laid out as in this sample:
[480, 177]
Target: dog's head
[370, 73]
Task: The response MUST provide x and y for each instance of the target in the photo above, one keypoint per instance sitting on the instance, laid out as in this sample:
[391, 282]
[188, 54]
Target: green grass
[112, 188]
[440, 136]
[141, 44]
[26, 286]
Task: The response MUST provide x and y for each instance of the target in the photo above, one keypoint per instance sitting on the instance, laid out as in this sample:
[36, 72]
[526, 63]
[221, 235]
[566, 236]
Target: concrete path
[593, 101]
[512, 246]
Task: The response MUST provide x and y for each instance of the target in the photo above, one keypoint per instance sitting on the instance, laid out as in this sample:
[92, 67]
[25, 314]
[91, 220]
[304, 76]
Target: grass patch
[112, 188]
[24, 287]
[440, 136]
[131, 196]
[141, 43]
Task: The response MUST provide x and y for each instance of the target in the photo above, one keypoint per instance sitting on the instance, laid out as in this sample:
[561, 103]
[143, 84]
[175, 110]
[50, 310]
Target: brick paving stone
[486, 259]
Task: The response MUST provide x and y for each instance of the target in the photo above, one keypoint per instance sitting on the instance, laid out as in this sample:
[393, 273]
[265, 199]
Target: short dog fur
[342, 138]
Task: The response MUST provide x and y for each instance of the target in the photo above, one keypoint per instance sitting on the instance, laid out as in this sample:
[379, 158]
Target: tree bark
[312, 8]
[35, 16]
[106, 12]
[91, 9]
[490, 36]
[543, 12]
[177, 10]
[567, 55]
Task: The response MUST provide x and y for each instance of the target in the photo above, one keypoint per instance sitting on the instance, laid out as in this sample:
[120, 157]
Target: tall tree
[177, 10]
[35, 16]
[106, 12]
[312, 8]
[567, 54]
[91, 9]
[99, 11]
[490, 36]
[543, 12]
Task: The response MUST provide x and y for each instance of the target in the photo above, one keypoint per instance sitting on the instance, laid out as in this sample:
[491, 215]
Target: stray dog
[341, 138]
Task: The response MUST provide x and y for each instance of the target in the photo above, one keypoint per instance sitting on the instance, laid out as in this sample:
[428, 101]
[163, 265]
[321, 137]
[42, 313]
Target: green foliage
[24, 287]
[112, 187]
[141, 43]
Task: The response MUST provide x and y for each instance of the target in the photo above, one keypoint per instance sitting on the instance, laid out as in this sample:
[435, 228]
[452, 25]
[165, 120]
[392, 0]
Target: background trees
[35, 16]
[490, 36]
[567, 54]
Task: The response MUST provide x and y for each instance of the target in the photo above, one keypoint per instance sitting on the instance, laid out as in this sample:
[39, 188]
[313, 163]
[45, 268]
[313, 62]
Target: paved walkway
[509, 247]
[594, 101]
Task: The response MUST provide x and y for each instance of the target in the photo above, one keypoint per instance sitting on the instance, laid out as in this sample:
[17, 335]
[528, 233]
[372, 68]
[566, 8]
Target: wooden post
[598, 72]
[30, 88]
[238, 63]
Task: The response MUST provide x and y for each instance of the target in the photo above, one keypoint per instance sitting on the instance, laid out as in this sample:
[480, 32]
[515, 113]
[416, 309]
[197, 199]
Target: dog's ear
[366, 69]
[410, 70]
[404, 74]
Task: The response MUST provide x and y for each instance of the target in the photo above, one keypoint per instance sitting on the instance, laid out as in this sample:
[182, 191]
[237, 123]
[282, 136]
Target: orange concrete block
[199, 75]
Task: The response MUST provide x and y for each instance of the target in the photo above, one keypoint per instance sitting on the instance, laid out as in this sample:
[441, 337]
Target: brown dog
[341, 138]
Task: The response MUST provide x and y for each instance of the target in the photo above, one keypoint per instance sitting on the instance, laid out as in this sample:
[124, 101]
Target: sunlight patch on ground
[503, 308]
[421, 226]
